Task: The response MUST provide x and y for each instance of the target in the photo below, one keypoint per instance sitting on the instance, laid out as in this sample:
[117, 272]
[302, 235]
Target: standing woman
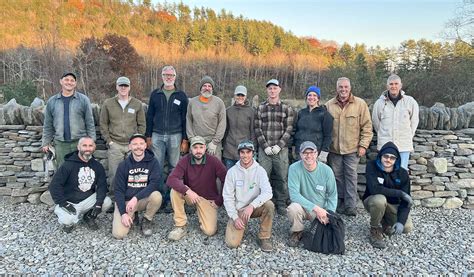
[240, 127]
[314, 123]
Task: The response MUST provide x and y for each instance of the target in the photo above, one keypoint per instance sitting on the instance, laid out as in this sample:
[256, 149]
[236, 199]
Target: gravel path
[32, 242]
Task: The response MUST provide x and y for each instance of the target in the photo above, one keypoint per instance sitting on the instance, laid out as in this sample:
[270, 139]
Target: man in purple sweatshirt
[193, 181]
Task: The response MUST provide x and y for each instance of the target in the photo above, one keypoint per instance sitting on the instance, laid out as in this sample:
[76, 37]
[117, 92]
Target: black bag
[327, 239]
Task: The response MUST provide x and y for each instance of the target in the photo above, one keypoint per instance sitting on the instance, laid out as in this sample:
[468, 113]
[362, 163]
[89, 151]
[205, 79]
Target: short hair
[168, 67]
[343, 79]
[85, 137]
[393, 77]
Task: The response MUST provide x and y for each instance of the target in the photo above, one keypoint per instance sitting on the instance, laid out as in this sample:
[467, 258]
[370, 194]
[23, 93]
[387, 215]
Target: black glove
[397, 228]
[69, 208]
[407, 198]
[96, 211]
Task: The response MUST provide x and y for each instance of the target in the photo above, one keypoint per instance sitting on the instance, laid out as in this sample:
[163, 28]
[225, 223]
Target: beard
[206, 94]
[85, 155]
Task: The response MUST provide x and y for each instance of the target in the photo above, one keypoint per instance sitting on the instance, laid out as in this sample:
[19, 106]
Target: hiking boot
[266, 245]
[281, 210]
[177, 233]
[376, 237]
[295, 238]
[146, 227]
[68, 228]
[167, 209]
[387, 229]
[351, 211]
[90, 221]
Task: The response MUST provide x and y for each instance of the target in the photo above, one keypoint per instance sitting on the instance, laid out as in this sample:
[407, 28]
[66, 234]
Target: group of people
[198, 152]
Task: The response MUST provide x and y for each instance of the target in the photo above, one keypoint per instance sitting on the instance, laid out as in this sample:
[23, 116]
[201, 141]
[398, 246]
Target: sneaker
[68, 228]
[146, 227]
[177, 233]
[295, 238]
[281, 210]
[376, 237]
[266, 245]
[351, 211]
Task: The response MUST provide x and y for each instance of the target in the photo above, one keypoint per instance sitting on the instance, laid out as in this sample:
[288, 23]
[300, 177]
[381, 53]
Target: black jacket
[137, 179]
[315, 126]
[76, 180]
[167, 117]
[389, 184]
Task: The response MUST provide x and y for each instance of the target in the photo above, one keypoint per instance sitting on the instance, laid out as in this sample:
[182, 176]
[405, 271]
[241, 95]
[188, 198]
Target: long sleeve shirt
[274, 124]
[207, 120]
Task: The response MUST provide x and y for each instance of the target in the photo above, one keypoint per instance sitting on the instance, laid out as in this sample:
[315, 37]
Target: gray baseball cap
[240, 90]
[123, 81]
[308, 145]
[273, 82]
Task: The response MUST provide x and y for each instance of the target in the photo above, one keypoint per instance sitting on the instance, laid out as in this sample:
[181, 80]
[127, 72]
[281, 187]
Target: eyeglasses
[168, 75]
[308, 153]
[389, 157]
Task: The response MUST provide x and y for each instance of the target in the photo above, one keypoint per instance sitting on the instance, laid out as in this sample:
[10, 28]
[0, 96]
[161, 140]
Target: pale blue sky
[374, 22]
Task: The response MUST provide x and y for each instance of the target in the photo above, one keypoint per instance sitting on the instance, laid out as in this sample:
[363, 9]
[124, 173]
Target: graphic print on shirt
[138, 177]
[85, 177]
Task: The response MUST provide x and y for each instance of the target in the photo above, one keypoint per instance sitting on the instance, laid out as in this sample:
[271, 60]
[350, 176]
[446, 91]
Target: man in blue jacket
[136, 189]
[387, 195]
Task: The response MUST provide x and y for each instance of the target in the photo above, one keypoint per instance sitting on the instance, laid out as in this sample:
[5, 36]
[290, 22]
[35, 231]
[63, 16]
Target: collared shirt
[274, 124]
[203, 160]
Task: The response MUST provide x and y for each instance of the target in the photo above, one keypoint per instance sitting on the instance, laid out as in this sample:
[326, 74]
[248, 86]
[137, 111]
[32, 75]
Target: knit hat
[206, 80]
[313, 89]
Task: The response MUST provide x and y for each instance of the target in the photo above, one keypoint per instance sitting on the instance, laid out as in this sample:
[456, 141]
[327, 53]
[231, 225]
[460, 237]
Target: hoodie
[136, 179]
[76, 180]
[390, 184]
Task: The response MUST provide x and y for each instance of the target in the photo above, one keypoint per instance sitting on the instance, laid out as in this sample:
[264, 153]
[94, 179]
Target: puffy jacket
[396, 123]
[352, 125]
[315, 126]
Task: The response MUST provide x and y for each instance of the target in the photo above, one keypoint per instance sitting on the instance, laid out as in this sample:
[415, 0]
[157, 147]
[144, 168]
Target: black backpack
[327, 239]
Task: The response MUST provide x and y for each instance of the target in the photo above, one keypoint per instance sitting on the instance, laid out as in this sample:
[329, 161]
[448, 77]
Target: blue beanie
[313, 89]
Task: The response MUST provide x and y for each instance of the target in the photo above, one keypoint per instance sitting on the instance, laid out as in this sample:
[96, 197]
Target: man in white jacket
[395, 118]
[247, 193]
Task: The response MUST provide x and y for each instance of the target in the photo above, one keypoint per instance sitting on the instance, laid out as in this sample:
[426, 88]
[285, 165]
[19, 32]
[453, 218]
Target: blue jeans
[229, 163]
[166, 146]
[404, 157]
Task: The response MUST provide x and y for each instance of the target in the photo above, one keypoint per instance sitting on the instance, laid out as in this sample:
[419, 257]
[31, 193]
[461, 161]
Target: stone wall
[441, 169]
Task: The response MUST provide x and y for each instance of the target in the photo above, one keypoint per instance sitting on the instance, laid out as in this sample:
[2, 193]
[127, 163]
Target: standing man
[79, 187]
[136, 189]
[120, 117]
[395, 118]
[247, 193]
[67, 118]
[312, 189]
[193, 182]
[207, 117]
[351, 136]
[166, 124]
[273, 127]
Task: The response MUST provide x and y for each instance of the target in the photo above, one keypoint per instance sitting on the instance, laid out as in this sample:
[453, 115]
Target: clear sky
[374, 22]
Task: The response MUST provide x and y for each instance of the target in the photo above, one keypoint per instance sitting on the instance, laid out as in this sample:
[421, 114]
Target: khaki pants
[233, 237]
[207, 214]
[117, 153]
[381, 212]
[150, 205]
[297, 215]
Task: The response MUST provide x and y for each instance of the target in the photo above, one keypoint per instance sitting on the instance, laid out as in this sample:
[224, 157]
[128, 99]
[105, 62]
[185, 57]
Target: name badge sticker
[380, 180]
[177, 102]
[319, 187]
[130, 110]
[239, 183]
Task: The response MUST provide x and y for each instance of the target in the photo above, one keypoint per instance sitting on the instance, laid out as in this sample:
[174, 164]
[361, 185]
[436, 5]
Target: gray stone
[463, 152]
[421, 194]
[15, 185]
[18, 155]
[427, 154]
[423, 148]
[38, 189]
[19, 192]
[465, 183]
[422, 161]
[449, 137]
[466, 175]
[19, 199]
[415, 187]
[459, 160]
[445, 194]
[433, 188]
[46, 198]
[5, 191]
[470, 191]
[31, 149]
[462, 193]
[32, 116]
[434, 202]
[37, 165]
[34, 198]
[7, 173]
[418, 167]
[451, 186]
[452, 203]
[10, 114]
[466, 145]
[438, 165]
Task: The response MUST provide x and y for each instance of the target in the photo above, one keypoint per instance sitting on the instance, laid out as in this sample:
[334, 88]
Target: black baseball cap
[69, 73]
[134, 136]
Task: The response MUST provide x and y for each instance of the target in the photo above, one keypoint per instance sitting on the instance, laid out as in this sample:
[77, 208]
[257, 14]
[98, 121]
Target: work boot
[146, 227]
[90, 221]
[266, 245]
[295, 238]
[376, 237]
[351, 211]
[177, 233]
[387, 229]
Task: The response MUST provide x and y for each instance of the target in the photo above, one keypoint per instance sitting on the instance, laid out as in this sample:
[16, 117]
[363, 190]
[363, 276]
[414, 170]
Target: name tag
[239, 183]
[380, 180]
[177, 102]
[319, 187]
[130, 110]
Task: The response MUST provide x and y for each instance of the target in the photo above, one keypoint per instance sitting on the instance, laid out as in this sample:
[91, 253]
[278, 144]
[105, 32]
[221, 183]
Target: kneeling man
[136, 189]
[79, 187]
[313, 191]
[247, 193]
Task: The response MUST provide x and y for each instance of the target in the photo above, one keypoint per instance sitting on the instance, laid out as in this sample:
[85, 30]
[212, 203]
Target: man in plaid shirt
[273, 127]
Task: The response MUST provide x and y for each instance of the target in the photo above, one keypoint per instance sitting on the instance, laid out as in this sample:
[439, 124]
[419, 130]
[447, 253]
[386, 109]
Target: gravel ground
[32, 242]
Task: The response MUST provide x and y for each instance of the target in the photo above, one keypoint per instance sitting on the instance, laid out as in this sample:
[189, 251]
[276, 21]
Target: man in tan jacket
[351, 136]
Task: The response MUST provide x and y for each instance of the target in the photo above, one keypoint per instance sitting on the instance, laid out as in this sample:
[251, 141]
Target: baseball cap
[273, 82]
[123, 81]
[134, 136]
[240, 90]
[69, 73]
[308, 145]
[197, 140]
[246, 145]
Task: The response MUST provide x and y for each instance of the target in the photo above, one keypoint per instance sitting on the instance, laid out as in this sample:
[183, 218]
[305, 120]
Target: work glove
[96, 211]
[69, 208]
[268, 151]
[407, 198]
[211, 148]
[184, 148]
[323, 157]
[397, 228]
[276, 149]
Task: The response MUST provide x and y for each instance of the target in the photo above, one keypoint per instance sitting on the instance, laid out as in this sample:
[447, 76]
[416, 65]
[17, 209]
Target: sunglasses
[389, 157]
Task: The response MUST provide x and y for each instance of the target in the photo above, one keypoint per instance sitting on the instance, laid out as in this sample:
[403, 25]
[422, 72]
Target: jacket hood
[385, 94]
[148, 156]
[389, 148]
[74, 157]
[241, 168]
